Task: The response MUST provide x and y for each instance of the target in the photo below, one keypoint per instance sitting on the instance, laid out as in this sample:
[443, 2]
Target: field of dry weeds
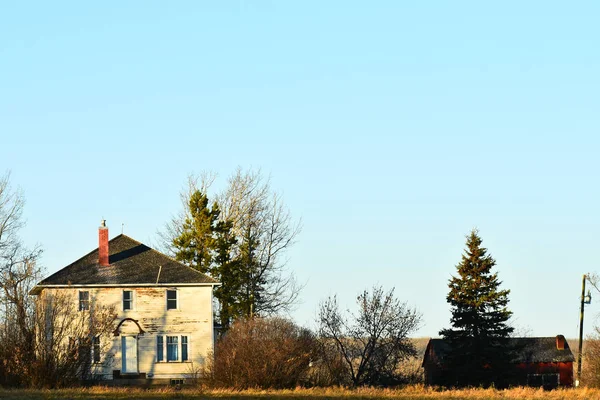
[409, 393]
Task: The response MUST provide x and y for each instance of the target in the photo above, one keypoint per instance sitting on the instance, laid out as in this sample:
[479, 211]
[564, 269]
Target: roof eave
[37, 289]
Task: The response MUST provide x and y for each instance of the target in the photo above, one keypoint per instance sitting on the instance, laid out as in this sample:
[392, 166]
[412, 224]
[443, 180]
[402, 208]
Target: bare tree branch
[172, 229]
[264, 231]
[374, 341]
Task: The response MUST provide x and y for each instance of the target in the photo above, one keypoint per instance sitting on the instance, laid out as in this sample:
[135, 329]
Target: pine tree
[253, 283]
[228, 272]
[478, 339]
[241, 241]
[195, 244]
[205, 243]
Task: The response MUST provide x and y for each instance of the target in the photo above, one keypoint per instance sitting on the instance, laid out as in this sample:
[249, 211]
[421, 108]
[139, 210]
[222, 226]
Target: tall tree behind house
[204, 243]
[239, 241]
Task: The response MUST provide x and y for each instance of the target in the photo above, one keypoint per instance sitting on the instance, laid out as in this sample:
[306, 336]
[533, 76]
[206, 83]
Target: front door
[129, 354]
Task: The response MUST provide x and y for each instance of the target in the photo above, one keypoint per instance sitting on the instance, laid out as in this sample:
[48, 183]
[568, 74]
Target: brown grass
[409, 393]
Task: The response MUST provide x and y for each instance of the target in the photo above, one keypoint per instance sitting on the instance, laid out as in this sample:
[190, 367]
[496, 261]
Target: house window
[85, 349]
[172, 347]
[127, 300]
[184, 348]
[548, 381]
[96, 349]
[84, 300]
[171, 299]
[159, 348]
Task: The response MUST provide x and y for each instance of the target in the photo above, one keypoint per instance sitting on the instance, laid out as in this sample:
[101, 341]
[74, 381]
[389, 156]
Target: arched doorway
[129, 329]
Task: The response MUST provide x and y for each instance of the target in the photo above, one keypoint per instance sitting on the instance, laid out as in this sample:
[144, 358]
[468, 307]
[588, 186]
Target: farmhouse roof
[526, 349]
[130, 263]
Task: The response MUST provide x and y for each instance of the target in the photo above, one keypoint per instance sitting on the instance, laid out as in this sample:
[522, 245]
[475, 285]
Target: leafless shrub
[198, 375]
[262, 353]
[591, 347]
[329, 368]
[65, 342]
[591, 360]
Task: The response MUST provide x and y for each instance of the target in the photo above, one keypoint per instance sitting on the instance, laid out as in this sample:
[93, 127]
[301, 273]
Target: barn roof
[130, 263]
[526, 349]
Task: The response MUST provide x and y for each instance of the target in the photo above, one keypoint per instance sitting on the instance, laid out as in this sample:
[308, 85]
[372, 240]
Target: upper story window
[84, 300]
[127, 300]
[171, 299]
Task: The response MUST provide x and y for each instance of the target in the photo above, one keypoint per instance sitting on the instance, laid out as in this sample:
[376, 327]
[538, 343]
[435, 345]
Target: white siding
[192, 318]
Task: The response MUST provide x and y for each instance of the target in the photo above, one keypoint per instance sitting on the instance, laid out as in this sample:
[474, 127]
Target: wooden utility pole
[579, 354]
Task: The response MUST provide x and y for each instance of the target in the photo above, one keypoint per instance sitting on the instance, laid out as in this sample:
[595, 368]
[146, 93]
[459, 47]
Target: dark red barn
[538, 361]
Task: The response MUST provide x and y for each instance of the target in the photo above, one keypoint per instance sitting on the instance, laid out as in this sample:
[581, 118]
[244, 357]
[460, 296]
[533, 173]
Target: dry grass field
[409, 393]
[415, 392]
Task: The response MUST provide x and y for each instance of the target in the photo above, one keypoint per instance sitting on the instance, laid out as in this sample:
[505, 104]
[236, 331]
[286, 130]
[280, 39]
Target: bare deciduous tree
[174, 227]
[264, 230]
[18, 273]
[35, 345]
[374, 341]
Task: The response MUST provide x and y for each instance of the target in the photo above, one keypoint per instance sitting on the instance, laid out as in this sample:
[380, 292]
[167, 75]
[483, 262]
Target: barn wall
[435, 375]
[566, 373]
[564, 369]
[193, 318]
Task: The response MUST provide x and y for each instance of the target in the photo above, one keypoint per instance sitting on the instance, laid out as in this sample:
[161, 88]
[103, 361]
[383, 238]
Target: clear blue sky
[391, 128]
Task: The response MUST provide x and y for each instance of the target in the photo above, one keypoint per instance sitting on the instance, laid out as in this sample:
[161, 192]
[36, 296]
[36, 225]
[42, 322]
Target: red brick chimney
[560, 342]
[103, 244]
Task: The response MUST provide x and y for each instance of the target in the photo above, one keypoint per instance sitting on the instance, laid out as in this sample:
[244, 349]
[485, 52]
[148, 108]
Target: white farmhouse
[164, 326]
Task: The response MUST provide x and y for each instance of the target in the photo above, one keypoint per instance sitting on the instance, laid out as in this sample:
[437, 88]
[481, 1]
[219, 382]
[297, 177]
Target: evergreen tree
[241, 241]
[195, 244]
[228, 272]
[254, 287]
[205, 243]
[478, 339]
